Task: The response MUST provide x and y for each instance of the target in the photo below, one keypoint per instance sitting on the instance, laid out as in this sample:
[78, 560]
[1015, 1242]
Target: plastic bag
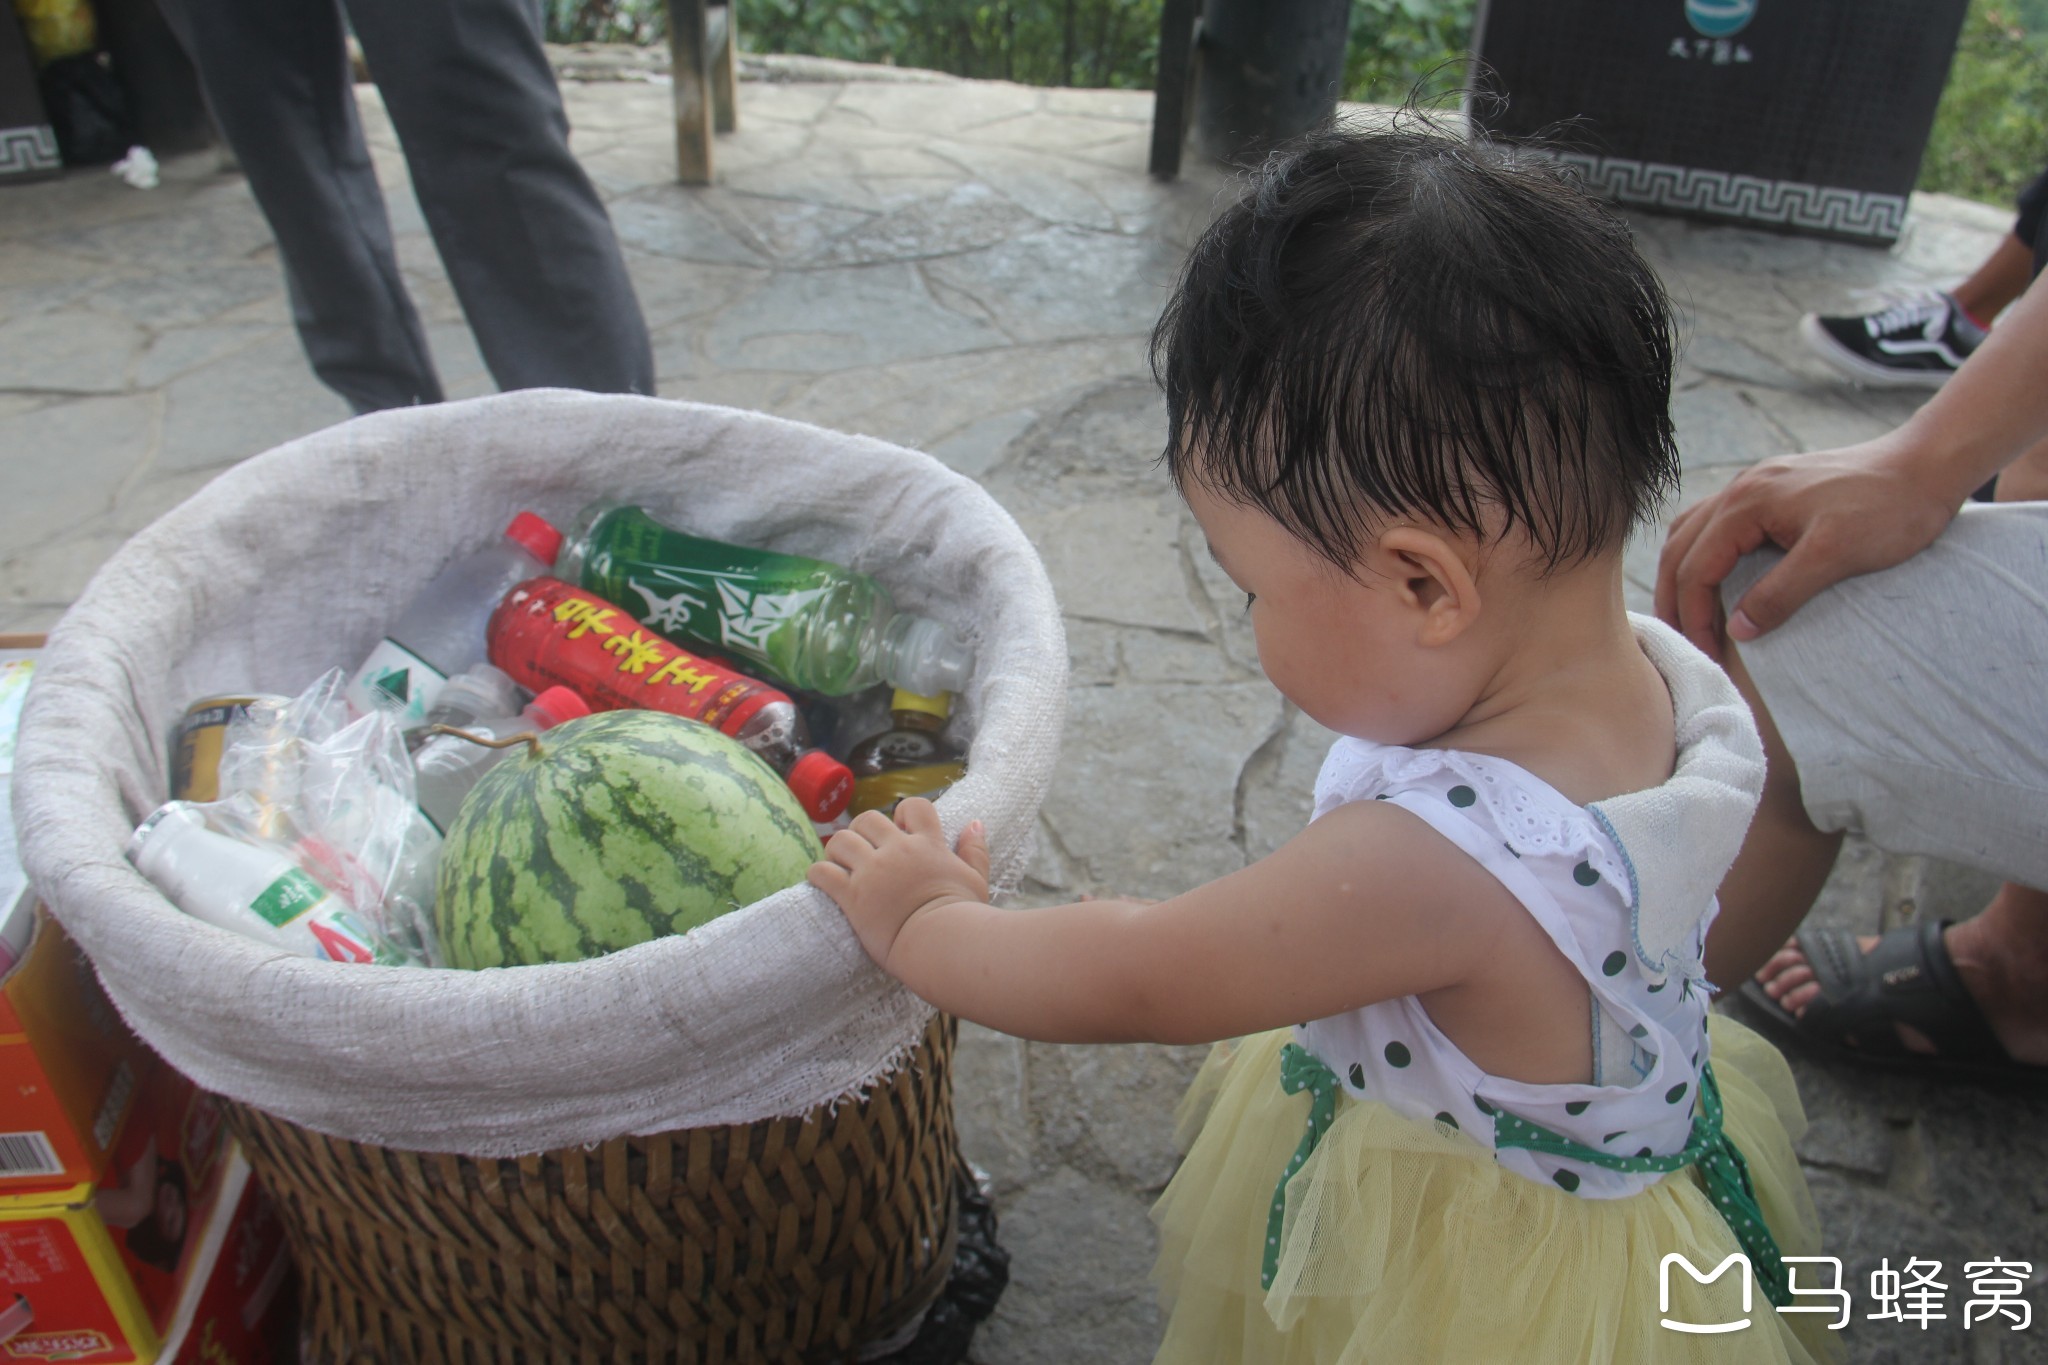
[344, 790]
[981, 1271]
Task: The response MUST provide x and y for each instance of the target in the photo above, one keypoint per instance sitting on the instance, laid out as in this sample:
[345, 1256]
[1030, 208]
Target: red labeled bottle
[548, 633]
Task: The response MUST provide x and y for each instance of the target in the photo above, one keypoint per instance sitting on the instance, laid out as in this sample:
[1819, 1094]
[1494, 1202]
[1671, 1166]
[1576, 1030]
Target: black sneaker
[1915, 343]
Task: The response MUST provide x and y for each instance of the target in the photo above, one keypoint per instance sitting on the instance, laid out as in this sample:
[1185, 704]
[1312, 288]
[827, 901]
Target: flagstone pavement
[971, 268]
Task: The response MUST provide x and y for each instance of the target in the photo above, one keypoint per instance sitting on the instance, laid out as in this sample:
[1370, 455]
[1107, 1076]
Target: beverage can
[200, 737]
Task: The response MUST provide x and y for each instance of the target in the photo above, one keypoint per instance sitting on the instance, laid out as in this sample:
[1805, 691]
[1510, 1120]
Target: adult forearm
[1988, 415]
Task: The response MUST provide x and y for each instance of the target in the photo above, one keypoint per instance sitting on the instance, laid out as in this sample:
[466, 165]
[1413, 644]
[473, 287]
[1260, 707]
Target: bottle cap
[822, 784]
[146, 844]
[536, 536]
[556, 705]
[938, 704]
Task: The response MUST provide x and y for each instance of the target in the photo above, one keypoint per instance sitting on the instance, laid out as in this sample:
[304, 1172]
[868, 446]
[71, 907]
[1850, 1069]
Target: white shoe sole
[1864, 372]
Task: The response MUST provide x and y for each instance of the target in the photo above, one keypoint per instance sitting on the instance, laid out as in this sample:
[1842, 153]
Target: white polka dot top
[1562, 862]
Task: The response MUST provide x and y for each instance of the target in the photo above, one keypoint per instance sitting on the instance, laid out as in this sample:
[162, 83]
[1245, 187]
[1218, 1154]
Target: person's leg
[1921, 740]
[2031, 226]
[2002, 277]
[1783, 863]
[1785, 859]
[276, 76]
[1920, 729]
[2025, 479]
[526, 241]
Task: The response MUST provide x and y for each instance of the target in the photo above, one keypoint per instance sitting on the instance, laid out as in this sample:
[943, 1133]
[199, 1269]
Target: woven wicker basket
[789, 1240]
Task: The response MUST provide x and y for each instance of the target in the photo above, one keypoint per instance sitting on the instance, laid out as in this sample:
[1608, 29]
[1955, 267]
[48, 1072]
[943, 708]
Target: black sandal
[1906, 978]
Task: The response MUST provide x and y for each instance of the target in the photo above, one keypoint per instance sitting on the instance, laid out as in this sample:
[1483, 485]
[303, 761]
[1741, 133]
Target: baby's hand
[881, 874]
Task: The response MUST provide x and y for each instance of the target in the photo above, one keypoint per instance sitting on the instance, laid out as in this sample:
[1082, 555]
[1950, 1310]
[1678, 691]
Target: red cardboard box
[105, 1267]
[237, 1310]
[69, 1069]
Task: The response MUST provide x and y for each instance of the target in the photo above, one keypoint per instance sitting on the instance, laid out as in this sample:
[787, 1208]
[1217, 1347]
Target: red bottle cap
[536, 536]
[556, 705]
[822, 784]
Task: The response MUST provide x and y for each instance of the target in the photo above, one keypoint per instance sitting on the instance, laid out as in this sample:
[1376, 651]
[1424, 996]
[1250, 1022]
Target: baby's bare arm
[1367, 904]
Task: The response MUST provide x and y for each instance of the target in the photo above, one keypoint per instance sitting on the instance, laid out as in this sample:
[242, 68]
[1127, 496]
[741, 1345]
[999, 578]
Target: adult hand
[1835, 513]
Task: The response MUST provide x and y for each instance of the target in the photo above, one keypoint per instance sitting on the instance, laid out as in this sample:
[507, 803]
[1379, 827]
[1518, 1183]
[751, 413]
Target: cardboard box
[109, 1269]
[239, 1308]
[69, 1068]
[235, 1305]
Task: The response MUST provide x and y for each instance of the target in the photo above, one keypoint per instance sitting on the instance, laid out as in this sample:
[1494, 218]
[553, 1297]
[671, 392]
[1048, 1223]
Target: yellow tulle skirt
[1404, 1243]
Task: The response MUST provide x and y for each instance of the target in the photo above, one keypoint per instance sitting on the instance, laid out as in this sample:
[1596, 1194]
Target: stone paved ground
[971, 269]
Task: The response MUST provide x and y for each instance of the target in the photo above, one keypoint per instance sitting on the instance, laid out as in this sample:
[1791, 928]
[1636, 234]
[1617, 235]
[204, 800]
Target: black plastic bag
[88, 109]
[981, 1271]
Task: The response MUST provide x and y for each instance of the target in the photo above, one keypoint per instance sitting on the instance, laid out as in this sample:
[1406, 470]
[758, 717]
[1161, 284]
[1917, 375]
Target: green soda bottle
[798, 622]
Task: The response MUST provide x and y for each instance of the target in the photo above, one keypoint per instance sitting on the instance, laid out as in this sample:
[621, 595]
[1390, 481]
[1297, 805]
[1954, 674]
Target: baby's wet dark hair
[1402, 323]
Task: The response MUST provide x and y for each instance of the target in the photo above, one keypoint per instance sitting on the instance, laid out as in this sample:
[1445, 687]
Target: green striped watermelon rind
[629, 825]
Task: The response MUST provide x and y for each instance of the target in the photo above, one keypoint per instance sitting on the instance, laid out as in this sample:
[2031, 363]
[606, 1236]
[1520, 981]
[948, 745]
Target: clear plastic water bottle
[441, 632]
[798, 622]
[255, 891]
[448, 767]
[478, 693]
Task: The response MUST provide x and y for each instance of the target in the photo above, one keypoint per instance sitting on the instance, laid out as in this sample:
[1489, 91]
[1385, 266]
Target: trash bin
[28, 144]
[1807, 117]
[1269, 70]
[735, 1144]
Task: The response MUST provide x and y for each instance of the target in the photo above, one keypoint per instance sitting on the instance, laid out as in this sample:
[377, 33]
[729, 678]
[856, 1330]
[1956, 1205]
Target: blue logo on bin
[1720, 18]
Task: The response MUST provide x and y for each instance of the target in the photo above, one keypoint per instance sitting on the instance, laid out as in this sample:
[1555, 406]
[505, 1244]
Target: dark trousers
[2033, 207]
[525, 240]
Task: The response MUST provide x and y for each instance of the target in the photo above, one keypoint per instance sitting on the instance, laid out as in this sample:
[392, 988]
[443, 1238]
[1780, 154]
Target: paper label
[28, 1153]
[395, 679]
[287, 898]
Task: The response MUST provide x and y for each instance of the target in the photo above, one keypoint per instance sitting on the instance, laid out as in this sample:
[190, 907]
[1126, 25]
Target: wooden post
[1173, 88]
[724, 35]
[689, 43]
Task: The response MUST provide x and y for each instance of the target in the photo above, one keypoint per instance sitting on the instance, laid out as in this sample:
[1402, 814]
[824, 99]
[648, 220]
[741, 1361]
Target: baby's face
[1343, 649]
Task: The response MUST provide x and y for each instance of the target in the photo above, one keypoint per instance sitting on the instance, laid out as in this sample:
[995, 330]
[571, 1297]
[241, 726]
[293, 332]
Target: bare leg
[1783, 863]
[2001, 954]
[2025, 479]
[2002, 277]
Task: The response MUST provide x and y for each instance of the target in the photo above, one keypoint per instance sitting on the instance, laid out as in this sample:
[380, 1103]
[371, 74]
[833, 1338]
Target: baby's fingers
[832, 879]
[872, 826]
[848, 849]
[916, 815]
[973, 848]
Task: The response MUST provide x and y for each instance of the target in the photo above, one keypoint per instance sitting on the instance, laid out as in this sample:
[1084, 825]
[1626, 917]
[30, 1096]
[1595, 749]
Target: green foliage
[1991, 130]
[606, 21]
[1394, 43]
[1989, 137]
[1038, 42]
[1401, 48]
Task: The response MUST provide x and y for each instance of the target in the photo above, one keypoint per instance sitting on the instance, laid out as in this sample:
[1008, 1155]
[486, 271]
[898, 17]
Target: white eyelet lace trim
[1532, 818]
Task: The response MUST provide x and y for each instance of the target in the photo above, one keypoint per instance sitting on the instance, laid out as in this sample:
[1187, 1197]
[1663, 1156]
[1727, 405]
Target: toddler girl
[1418, 396]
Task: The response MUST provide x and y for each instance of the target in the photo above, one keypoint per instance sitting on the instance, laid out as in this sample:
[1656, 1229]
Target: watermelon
[621, 827]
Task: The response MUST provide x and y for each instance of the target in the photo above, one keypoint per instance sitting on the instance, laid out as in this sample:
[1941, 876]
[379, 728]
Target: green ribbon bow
[1721, 1165]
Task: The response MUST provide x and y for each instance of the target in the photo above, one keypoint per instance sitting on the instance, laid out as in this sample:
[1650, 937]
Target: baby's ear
[1430, 576]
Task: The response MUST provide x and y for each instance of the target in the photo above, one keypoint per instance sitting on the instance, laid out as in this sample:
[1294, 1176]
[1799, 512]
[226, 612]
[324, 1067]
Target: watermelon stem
[531, 738]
